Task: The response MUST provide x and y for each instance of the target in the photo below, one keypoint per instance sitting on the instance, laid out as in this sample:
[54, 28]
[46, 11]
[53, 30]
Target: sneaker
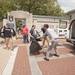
[11, 48]
[46, 59]
[56, 55]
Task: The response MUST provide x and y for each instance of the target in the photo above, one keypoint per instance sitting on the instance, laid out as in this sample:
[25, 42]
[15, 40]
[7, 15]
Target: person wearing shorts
[8, 36]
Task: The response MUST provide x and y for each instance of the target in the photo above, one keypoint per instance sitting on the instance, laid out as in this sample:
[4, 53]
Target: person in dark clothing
[8, 35]
[42, 29]
[32, 33]
[45, 38]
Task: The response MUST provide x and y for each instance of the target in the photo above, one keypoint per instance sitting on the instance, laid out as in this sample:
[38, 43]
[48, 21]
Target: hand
[32, 36]
[41, 37]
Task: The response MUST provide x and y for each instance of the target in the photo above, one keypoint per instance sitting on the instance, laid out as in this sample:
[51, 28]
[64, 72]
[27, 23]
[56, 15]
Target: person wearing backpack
[25, 34]
[8, 35]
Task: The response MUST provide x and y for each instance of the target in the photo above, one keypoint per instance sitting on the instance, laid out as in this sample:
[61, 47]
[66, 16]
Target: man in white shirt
[54, 41]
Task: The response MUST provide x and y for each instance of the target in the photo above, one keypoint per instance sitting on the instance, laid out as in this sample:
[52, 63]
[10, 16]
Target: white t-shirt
[51, 33]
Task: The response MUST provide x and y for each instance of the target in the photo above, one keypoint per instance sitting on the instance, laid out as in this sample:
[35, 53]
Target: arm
[45, 34]
[40, 32]
[2, 30]
[30, 33]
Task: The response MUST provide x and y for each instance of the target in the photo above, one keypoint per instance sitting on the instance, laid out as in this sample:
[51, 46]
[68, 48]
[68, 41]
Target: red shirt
[25, 30]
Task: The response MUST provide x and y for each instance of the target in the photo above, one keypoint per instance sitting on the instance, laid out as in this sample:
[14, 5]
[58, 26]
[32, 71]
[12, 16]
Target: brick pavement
[64, 66]
[15, 42]
[62, 51]
[21, 65]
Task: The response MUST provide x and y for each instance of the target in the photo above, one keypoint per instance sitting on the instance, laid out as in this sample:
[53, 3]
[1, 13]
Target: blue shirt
[43, 30]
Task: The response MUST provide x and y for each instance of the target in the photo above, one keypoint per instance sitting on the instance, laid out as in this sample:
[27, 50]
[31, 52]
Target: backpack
[13, 33]
[2, 35]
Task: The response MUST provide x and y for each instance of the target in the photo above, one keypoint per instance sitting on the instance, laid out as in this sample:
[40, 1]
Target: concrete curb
[10, 64]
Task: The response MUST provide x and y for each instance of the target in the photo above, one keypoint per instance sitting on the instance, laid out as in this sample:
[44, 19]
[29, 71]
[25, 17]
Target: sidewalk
[4, 57]
[21, 66]
[21, 63]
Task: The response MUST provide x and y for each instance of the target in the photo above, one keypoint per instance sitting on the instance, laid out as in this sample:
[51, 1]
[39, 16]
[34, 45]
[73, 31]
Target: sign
[11, 18]
[12, 25]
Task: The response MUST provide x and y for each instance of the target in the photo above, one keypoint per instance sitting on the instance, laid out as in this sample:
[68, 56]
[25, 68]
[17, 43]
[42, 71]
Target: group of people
[47, 33]
[33, 34]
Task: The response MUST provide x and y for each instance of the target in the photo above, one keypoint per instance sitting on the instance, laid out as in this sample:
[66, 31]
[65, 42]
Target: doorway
[19, 24]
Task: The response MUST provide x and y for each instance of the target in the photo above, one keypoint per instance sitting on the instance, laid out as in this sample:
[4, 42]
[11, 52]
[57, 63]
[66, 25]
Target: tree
[36, 7]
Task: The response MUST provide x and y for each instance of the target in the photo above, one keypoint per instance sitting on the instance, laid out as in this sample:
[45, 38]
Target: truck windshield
[63, 25]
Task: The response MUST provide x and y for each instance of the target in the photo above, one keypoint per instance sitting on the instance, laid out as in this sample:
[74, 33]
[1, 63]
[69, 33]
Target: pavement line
[33, 64]
[8, 69]
[53, 57]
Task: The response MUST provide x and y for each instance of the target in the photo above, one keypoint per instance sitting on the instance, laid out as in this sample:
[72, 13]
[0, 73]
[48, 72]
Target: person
[25, 33]
[45, 38]
[7, 35]
[32, 33]
[54, 41]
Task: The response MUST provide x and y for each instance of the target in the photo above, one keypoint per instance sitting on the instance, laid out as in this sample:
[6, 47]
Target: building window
[63, 25]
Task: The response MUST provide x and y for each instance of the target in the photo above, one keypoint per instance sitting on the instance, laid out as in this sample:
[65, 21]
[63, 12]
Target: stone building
[30, 19]
[71, 15]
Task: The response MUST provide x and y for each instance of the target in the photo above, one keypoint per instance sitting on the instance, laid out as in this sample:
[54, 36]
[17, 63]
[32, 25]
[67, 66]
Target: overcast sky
[67, 5]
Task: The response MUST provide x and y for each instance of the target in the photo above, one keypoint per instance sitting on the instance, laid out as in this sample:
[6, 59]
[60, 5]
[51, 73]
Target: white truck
[71, 37]
[63, 28]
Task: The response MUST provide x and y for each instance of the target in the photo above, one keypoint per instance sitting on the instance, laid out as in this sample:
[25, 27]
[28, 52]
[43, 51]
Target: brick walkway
[62, 51]
[36, 65]
[21, 66]
[65, 66]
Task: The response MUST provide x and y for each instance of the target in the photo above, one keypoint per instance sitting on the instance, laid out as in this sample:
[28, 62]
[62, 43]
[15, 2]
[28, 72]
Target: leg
[44, 42]
[48, 51]
[7, 42]
[55, 48]
[11, 43]
[24, 38]
[27, 39]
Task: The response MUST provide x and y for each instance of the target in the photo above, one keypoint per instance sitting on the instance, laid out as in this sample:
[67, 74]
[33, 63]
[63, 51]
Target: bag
[38, 38]
[13, 33]
[2, 35]
[34, 47]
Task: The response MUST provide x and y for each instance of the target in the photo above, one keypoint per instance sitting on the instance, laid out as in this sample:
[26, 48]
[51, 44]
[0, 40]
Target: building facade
[71, 15]
[30, 19]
